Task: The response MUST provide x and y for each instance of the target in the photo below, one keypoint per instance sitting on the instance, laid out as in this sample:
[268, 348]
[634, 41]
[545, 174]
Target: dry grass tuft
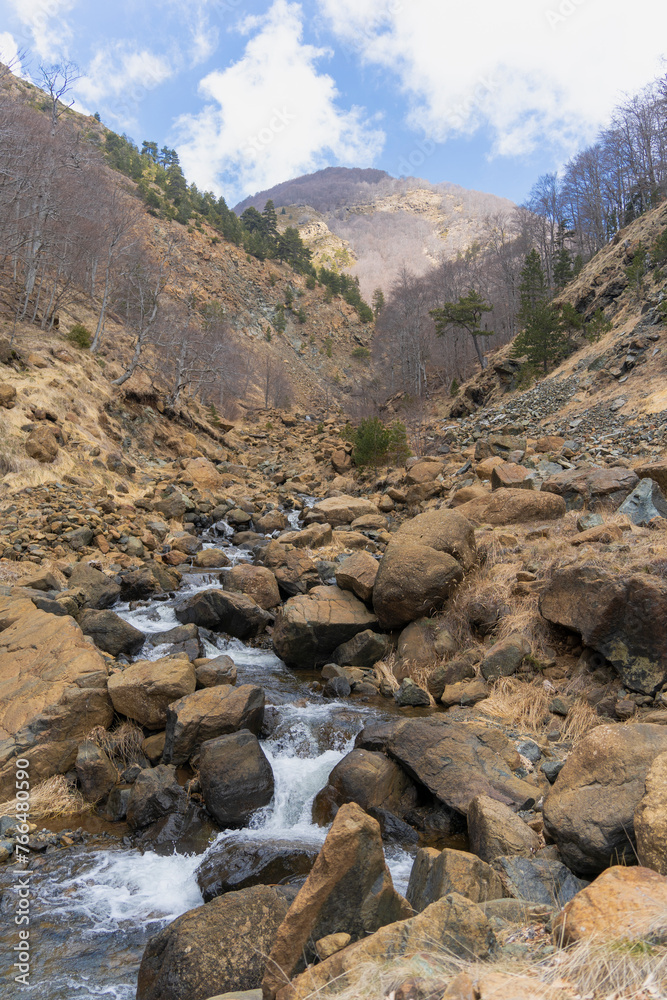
[611, 970]
[383, 672]
[51, 799]
[519, 704]
[580, 719]
[123, 744]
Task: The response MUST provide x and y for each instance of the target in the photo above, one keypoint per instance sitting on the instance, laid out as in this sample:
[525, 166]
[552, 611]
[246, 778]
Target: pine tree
[270, 222]
[466, 314]
[378, 302]
[542, 338]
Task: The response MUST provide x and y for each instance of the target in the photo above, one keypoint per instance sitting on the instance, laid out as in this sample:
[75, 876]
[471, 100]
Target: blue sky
[485, 94]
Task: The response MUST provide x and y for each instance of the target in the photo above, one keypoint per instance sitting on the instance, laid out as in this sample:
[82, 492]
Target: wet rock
[143, 690]
[181, 963]
[256, 582]
[623, 904]
[437, 873]
[154, 794]
[146, 581]
[219, 670]
[236, 777]
[211, 559]
[349, 890]
[445, 531]
[357, 573]
[235, 864]
[413, 580]
[623, 618]
[363, 650]
[209, 713]
[221, 611]
[95, 772]
[369, 779]
[494, 830]
[538, 880]
[448, 674]
[454, 761]
[110, 632]
[591, 487]
[392, 828]
[506, 506]
[452, 924]
[644, 503]
[411, 695]
[505, 657]
[589, 811]
[651, 818]
[310, 627]
[337, 687]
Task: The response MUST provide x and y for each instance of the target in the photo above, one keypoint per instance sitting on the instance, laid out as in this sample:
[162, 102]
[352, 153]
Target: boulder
[622, 617]
[453, 925]
[436, 874]
[623, 904]
[505, 657]
[357, 573]
[256, 582]
[234, 614]
[371, 780]
[7, 395]
[310, 627]
[155, 793]
[514, 506]
[41, 445]
[215, 948]
[448, 674]
[592, 487]
[455, 761]
[657, 471]
[651, 818]
[110, 632]
[363, 650]
[538, 880]
[342, 510]
[203, 474]
[494, 830]
[211, 559]
[313, 537]
[208, 713]
[445, 531]
[272, 520]
[413, 580]
[147, 580]
[143, 690]
[98, 590]
[509, 476]
[236, 863]
[95, 772]
[424, 471]
[644, 503]
[46, 759]
[349, 890]
[219, 670]
[53, 680]
[589, 810]
[411, 695]
[295, 572]
[236, 777]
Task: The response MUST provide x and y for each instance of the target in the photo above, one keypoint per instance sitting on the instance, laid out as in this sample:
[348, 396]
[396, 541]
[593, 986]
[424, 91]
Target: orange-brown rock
[484, 468]
[651, 818]
[510, 476]
[604, 534]
[255, 581]
[357, 573]
[622, 904]
[514, 507]
[203, 473]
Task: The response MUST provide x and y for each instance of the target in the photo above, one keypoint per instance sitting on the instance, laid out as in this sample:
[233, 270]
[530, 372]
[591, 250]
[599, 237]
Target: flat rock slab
[514, 506]
[311, 626]
[593, 487]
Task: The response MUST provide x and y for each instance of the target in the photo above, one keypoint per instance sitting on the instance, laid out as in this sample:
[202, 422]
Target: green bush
[80, 336]
[310, 282]
[375, 444]
[454, 387]
[301, 315]
[361, 353]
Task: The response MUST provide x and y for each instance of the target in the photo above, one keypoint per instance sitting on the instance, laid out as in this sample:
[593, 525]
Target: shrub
[361, 353]
[454, 387]
[301, 315]
[375, 444]
[310, 282]
[80, 336]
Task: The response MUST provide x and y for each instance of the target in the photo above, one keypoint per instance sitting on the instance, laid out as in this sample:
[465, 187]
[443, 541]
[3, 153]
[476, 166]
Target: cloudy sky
[486, 94]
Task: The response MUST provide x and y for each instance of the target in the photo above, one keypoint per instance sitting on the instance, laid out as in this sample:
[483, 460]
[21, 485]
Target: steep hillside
[372, 224]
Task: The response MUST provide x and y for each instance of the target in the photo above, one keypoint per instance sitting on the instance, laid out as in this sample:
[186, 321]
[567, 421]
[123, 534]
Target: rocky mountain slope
[371, 224]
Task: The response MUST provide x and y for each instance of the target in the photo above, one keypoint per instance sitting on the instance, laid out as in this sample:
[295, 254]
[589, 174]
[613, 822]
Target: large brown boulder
[110, 632]
[453, 925]
[236, 863]
[494, 830]
[424, 471]
[622, 617]
[98, 590]
[342, 510]
[53, 681]
[208, 713]
[444, 530]
[41, 445]
[623, 904]
[651, 818]
[593, 487]
[657, 471]
[437, 873]
[257, 582]
[95, 772]
[513, 507]
[143, 690]
[413, 580]
[349, 890]
[214, 948]
[221, 611]
[371, 780]
[357, 573]
[310, 627]
[236, 777]
[454, 761]
[155, 793]
[589, 811]
[295, 571]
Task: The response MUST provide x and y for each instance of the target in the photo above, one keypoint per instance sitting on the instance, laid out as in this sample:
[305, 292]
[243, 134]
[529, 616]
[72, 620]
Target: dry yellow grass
[122, 744]
[51, 799]
[519, 704]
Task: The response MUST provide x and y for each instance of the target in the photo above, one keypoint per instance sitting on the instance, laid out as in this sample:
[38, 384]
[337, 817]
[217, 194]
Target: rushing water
[93, 909]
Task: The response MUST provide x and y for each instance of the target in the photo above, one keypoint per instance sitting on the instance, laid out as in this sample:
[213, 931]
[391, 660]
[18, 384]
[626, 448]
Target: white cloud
[45, 27]
[535, 71]
[119, 78]
[272, 114]
[9, 53]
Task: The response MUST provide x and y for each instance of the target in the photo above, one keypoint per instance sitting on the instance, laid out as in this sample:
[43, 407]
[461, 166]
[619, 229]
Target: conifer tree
[466, 314]
[542, 338]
